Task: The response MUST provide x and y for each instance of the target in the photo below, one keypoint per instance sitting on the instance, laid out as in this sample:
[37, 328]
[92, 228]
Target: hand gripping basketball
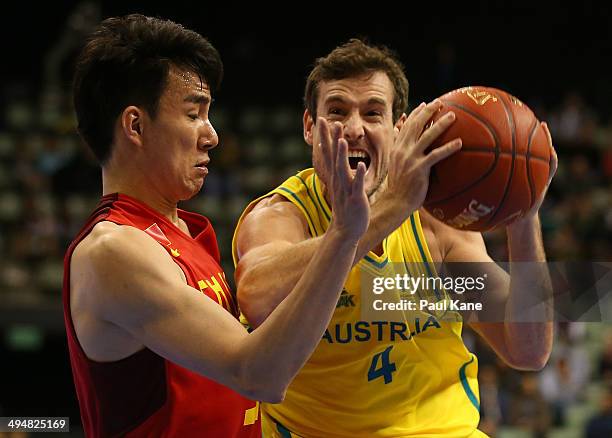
[409, 160]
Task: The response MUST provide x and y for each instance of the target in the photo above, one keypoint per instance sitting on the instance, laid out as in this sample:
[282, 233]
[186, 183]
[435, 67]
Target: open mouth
[355, 157]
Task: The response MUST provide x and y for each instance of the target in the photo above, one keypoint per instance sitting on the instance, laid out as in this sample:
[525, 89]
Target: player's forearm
[530, 297]
[282, 344]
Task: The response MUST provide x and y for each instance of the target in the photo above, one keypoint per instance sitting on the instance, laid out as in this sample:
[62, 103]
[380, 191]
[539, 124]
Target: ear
[131, 121]
[309, 125]
[400, 122]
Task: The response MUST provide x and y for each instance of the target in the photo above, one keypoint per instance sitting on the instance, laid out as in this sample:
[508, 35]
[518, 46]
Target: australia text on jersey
[364, 331]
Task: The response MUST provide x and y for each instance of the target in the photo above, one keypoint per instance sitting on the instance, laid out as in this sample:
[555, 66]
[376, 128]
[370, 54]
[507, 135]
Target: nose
[353, 127]
[208, 136]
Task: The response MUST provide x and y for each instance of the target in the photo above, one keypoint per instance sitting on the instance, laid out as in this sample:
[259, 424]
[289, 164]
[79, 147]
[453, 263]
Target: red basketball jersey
[145, 395]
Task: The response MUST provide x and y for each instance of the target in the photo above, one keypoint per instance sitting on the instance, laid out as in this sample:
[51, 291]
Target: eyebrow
[332, 99]
[371, 101]
[376, 101]
[197, 98]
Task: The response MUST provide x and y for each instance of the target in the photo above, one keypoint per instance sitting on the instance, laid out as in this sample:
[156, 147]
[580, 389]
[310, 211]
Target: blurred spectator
[605, 361]
[600, 426]
[570, 122]
[563, 380]
[528, 409]
[558, 388]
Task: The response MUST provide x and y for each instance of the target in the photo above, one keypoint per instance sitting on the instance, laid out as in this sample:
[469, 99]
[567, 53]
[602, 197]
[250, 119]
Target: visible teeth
[357, 154]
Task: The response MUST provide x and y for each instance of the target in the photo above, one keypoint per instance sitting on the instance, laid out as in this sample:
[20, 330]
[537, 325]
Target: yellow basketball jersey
[376, 378]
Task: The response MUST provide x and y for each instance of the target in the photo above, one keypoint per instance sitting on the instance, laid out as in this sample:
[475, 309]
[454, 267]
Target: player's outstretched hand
[350, 205]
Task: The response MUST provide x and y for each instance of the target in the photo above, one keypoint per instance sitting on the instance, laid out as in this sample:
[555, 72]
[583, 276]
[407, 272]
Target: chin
[371, 187]
[191, 191]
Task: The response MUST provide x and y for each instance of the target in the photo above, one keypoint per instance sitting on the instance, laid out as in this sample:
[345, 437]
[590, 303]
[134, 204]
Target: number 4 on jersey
[386, 368]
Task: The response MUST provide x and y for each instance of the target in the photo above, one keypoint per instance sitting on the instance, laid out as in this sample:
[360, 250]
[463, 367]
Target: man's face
[179, 137]
[364, 107]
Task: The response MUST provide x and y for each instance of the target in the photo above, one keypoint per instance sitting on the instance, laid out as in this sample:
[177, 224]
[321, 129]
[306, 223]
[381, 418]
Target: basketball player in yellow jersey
[372, 378]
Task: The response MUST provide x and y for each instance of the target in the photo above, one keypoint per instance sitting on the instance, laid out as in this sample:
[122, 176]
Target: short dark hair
[126, 61]
[355, 58]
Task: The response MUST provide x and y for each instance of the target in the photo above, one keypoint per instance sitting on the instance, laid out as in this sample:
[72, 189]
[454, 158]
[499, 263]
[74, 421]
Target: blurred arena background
[551, 59]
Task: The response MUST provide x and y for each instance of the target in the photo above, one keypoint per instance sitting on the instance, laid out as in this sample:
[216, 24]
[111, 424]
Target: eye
[335, 111]
[374, 114]
[193, 116]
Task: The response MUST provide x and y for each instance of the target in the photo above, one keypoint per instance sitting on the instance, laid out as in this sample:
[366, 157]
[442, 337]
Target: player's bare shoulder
[112, 272]
[113, 256]
[277, 205]
[272, 219]
[100, 338]
[105, 243]
[92, 264]
[91, 252]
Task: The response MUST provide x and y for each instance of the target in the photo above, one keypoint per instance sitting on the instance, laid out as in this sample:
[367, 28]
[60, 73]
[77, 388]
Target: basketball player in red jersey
[155, 345]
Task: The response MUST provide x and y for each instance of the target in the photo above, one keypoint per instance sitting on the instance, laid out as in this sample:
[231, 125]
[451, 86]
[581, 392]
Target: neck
[128, 183]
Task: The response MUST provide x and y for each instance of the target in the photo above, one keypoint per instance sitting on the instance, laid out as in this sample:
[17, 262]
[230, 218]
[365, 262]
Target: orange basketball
[502, 167]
